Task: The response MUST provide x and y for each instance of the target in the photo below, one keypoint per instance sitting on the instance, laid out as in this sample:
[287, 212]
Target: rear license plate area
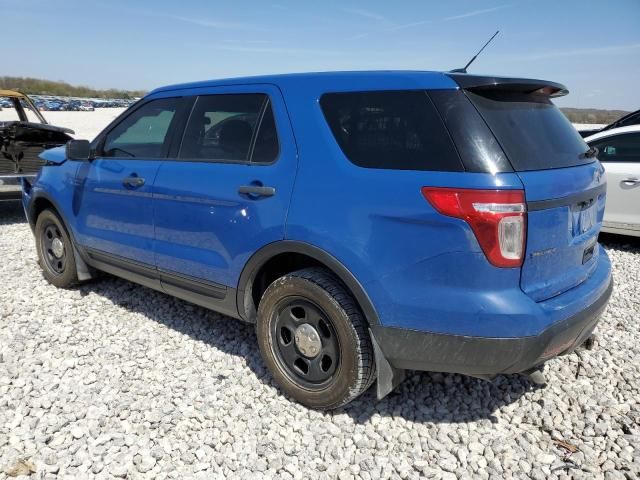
[587, 218]
[587, 253]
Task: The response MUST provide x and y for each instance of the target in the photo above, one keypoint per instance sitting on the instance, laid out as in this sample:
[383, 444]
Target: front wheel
[314, 339]
[55, 250]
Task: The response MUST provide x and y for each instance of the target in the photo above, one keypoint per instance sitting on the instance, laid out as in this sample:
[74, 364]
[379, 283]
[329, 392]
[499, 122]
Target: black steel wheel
[306, 342]
[314, 339]
[55, 250]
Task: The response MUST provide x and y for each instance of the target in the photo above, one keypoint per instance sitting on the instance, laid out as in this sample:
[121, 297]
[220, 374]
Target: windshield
[532, 131]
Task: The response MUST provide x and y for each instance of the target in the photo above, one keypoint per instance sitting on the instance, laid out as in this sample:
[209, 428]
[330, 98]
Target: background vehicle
[366, 222]
[24, 134]
[619, 152]
[631, 119]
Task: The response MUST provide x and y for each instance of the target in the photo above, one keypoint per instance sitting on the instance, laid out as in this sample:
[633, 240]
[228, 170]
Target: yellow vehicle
[24, 134]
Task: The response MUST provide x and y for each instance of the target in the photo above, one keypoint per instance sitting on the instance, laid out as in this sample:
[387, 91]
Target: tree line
[592, 115]
[36, 86]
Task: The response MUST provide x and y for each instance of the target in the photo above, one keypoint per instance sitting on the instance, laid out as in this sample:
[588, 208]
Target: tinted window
[478, 148]
[390, 129]
[532, 131]
[221, 127]
[144, 132]
[619, 148]
[266, 148]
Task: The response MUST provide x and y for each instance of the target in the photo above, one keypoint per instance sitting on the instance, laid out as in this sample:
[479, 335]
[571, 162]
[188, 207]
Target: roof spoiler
[480, 83]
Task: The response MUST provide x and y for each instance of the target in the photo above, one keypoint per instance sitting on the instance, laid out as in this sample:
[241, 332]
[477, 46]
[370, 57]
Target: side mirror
[78, 150]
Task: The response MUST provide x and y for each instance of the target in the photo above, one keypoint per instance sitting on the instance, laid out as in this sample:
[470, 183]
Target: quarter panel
[408, 257]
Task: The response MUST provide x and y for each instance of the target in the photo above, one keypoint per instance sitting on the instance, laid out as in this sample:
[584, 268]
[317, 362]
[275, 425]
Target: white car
[619, 152]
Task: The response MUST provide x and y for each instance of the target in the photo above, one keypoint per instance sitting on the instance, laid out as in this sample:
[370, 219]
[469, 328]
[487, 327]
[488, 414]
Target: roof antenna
[464, 70]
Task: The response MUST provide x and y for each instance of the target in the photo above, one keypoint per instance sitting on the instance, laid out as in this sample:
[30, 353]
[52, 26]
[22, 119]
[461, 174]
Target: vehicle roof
[12, 94]
[377, 80]
[331, 79]
[613, 131]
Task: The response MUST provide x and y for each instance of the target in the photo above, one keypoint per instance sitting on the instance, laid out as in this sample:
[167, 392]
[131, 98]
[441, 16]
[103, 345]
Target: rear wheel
[55, 250]
[314, 339]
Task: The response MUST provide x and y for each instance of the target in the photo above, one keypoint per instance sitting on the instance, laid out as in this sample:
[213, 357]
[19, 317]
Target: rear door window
[619, 148]
[390, 130]
[222, 128]
[532, 131]
[267, 147]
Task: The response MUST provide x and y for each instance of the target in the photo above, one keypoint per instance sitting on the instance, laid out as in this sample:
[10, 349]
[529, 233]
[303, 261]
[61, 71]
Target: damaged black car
[24, 134]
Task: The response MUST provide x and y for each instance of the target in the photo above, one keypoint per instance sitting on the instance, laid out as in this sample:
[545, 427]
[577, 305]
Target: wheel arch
[40, 202]
[266, 263]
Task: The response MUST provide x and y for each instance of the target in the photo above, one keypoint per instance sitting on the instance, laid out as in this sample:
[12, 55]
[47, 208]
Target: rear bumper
[416, 350]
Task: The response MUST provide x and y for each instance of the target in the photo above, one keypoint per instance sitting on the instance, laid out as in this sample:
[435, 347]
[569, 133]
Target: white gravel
[86, 125]
[116, 380]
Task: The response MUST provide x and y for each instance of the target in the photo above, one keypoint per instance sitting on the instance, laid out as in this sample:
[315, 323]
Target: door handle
[257, 191]
[133, 181]
[630, 181]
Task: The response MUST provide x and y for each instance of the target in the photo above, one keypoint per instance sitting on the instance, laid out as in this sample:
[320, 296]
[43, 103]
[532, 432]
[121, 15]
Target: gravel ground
[116, 380]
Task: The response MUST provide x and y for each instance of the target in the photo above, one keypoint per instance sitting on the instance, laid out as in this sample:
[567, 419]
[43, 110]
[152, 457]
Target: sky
[593, 47]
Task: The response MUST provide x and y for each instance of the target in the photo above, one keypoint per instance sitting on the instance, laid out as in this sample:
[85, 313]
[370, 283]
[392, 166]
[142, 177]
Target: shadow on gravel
[11, 213]
[620, 242]
[422, 397]
[442, 398]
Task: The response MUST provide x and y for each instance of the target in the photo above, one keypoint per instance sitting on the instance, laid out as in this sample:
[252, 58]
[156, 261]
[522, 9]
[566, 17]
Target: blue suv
[366, 222]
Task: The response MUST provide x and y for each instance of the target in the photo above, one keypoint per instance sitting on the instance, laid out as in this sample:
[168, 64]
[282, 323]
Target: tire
[339, 358]
[58, 264]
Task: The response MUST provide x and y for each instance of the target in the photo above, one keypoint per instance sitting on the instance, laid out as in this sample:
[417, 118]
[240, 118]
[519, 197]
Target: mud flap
[83, 271]
[388, 377]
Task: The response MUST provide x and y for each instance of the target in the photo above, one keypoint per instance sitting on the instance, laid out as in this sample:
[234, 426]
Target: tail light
[497, 217]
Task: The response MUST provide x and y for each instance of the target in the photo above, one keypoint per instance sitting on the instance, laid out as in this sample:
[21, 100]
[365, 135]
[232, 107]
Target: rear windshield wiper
[591, 153]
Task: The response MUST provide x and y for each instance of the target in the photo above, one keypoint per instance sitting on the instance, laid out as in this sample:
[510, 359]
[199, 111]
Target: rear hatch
[563, 182]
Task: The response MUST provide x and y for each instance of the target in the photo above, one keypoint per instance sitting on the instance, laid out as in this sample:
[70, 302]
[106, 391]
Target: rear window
[391, 130]
[532, 131]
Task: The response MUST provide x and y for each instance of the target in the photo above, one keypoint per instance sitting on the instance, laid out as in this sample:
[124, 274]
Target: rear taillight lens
[498, 218]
